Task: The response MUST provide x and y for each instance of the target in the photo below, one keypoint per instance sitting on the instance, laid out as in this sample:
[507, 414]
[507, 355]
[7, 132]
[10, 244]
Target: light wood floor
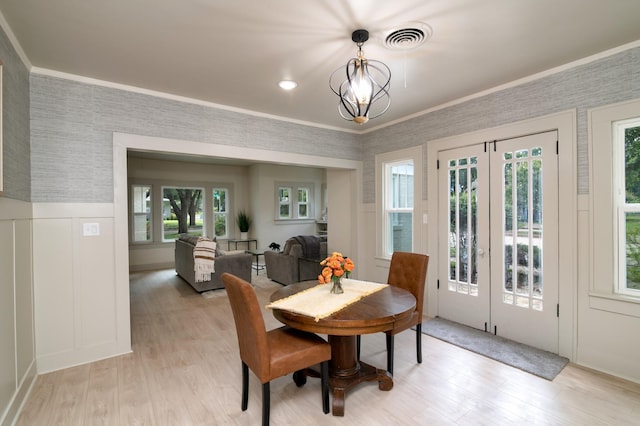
[185, 370]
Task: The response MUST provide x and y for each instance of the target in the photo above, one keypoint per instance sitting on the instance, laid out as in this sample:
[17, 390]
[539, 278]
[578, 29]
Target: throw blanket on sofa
[204, 254]
[310, 245]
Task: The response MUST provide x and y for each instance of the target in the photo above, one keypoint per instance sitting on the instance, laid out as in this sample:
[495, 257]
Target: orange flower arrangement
[335, 266]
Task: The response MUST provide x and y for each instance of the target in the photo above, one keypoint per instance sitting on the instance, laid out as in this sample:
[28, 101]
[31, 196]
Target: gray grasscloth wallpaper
[605, 81]
[15, 122]
[72, 124]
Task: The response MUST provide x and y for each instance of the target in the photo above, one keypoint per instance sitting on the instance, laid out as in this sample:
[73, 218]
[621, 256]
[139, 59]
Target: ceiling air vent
[407, 37]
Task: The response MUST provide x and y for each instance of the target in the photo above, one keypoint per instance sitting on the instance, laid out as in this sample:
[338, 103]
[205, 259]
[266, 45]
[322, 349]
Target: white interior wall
[17, 331]
[264, 178]
[77, 303]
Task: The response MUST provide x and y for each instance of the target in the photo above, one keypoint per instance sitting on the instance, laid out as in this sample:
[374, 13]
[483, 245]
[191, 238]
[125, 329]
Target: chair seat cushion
[293, 350]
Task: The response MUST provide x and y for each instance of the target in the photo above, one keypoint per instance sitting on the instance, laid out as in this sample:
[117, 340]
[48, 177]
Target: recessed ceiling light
[288, 84]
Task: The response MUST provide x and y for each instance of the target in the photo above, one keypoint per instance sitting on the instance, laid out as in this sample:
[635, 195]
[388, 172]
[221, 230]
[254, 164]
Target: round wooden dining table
[374, 313]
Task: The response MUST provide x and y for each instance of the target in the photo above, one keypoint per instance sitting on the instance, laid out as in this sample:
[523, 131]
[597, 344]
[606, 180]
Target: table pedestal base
[345, 371]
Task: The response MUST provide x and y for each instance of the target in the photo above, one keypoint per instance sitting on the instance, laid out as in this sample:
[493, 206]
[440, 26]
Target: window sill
[290, 221]
[618, 304]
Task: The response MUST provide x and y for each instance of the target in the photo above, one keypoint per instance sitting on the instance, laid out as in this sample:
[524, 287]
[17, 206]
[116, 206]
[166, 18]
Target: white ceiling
[234, 52]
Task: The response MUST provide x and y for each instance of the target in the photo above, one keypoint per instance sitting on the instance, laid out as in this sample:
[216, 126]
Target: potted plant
[244, 223]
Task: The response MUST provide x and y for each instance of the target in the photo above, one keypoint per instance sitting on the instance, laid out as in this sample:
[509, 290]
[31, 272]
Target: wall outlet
[90, 229]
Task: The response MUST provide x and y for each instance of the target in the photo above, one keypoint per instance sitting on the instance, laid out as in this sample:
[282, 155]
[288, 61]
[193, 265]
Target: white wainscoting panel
[17, 340]
[77, 298]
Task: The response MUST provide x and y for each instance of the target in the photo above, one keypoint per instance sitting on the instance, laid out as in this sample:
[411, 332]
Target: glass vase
[336, 287]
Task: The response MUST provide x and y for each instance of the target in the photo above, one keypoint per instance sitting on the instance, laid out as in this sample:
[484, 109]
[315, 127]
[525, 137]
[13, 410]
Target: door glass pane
[522, 208]
[463, 231]
[463, 260]
[509, 269]
[453, 228]
[522, 205]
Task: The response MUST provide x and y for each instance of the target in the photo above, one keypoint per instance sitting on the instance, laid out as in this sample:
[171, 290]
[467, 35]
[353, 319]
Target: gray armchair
[304, 252]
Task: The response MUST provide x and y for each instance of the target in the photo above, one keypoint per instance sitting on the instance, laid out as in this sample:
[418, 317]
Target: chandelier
[364, 94]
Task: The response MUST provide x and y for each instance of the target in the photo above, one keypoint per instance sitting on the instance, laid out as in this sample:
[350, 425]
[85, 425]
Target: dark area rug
[535, 361]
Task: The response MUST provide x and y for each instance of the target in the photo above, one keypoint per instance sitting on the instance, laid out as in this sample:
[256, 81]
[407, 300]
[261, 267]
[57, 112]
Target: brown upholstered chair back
[409, 272]
[250, 327]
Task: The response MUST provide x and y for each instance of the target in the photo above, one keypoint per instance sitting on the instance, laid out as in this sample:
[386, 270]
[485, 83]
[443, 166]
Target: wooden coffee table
[371, 314]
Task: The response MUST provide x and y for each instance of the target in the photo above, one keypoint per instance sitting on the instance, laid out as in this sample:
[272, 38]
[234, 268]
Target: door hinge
[485, 326]
[495, 330]
[437, 164]
[438, 285]
[557, 148]
[558, 310]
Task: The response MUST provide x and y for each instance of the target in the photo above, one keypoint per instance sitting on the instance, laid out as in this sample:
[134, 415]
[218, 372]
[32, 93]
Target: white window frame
[383, 164]
[225, 213]
[148, 215]
[306, 203]
[396, 200]
[288, 202]
[620, 205]
[293, 201]
[604, 288]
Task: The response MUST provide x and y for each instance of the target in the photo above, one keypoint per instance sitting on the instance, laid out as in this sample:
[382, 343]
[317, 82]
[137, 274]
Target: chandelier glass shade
[364, 94]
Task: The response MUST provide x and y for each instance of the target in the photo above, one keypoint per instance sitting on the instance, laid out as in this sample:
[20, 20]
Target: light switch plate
[90, 229]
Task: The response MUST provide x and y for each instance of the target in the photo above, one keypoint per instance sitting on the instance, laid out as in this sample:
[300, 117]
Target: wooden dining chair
[407, 271]
[275, 353]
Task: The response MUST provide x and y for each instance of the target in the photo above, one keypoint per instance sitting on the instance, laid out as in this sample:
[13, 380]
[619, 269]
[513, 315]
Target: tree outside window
[181, 212]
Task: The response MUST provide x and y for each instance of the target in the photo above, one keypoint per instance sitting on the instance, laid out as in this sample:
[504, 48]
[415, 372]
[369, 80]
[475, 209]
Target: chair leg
[266, 403]
[358, 347]
[390, 354]
[245, 386]
[419, 342]
[324, 384]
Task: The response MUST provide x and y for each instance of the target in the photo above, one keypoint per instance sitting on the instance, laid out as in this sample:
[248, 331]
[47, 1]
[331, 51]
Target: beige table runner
[318, 302]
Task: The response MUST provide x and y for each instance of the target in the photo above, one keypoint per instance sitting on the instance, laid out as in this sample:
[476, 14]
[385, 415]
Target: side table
[248, 242]
[257, 253]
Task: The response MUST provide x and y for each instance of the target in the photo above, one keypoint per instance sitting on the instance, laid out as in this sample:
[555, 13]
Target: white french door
[498, 238]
